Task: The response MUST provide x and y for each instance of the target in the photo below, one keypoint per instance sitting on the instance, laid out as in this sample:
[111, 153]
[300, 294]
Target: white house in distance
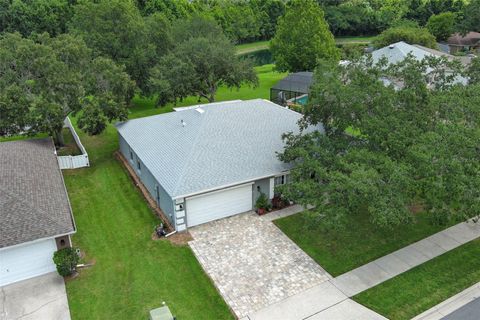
[35, 215]
[211, 161]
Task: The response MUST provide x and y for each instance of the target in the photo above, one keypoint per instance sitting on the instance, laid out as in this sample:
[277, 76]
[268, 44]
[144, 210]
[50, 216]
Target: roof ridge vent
[200, 110]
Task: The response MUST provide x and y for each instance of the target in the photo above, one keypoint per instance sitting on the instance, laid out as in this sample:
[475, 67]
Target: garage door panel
[24, 262]
[217, 205]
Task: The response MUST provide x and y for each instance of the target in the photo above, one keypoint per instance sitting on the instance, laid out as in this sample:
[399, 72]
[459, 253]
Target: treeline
[242, 21]
[369, 17]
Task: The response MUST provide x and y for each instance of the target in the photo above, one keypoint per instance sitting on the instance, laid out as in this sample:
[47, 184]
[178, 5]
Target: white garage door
[23, 262]
[218, 204]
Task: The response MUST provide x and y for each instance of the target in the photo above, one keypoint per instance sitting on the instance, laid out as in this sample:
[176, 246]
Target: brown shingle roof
[469, 39]
[33, 199]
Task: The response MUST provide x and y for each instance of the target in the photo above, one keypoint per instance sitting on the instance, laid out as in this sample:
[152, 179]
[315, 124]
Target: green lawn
[252, 47]
[357, 40]
[133, 274]
[425, 286]
[360, 242]
[262, 45]
[266, 76]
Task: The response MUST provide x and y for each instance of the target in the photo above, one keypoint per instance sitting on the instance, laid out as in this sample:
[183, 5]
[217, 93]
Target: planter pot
[260, 211]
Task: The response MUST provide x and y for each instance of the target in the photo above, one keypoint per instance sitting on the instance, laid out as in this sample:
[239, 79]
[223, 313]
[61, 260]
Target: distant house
[35, 214]
[468, 43]
[211, 161]
[397, 52]
[293, 89]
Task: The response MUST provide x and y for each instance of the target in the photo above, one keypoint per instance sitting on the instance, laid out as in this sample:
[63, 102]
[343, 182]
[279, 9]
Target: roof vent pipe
[391, 46]
[183, 123]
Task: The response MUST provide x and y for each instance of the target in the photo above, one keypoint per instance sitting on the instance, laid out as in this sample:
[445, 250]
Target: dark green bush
[66, 260]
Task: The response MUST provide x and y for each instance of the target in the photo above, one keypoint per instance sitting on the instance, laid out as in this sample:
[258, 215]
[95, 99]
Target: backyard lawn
[132, 273]
[425, 286]
[358, 244]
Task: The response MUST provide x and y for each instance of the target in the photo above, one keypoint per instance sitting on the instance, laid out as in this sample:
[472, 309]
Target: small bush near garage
[66, 261]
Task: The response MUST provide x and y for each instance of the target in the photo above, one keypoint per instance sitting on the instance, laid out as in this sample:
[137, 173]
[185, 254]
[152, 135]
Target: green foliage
[442, 25]
[43, 80]
[66, 261]
[199, 65]
[262, 202]
[418, 143]
[351, 51]
[473, 71]
[470, 17]
[116, 29]
[302, 38]
[35, 16]
[411, 35]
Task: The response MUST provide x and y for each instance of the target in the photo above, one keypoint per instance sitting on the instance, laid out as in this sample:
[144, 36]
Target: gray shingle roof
[296, 82]
[33, 200]
[228, 143]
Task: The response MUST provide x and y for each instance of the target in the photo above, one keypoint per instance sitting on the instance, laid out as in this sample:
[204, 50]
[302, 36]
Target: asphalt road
[470, 311]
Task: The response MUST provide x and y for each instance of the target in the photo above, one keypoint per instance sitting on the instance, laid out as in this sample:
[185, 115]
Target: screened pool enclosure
[293, 89]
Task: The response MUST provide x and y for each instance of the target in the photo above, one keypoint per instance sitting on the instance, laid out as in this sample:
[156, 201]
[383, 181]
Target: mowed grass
[267, 77]
[252, 47]
[132, 273]
[356, 39]
[359, 243]
[425, 286]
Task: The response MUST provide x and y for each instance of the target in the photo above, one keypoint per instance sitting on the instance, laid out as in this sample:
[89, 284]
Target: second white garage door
[219, 204]
[27, 261]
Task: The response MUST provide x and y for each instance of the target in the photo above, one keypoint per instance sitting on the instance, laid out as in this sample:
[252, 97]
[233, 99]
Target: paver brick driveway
[252, 263]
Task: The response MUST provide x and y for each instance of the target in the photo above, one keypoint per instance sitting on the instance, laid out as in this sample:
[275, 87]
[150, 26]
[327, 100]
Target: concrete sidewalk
[449, 306]
[393, 264]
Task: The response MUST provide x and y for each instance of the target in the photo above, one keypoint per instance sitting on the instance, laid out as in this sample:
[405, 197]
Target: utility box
[162, 313]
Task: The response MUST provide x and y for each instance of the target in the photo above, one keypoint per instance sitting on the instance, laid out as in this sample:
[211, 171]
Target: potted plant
[262, 204]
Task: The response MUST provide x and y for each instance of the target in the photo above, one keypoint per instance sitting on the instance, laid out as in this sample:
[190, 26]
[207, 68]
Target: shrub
[262, 202]
[66, 260]
[410, 35]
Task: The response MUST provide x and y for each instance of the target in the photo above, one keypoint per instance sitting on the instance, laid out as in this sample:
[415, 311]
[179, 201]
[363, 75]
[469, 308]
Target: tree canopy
[116, 29]
[442, 25]
[384, 149]
[200, 64]
[44, 79]
[302, 38]
[408, 33]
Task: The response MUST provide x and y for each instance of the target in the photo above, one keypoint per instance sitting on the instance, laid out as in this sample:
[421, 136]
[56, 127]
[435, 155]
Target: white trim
[230, 185]
[272, 188]
[38, 240]
[221, 190]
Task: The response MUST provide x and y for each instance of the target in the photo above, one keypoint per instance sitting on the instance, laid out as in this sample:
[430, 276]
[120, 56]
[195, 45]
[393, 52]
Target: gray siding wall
[264, 185]
[166, 202]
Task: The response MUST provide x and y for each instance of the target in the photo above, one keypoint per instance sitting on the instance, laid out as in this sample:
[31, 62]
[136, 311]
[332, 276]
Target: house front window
[139, 165]
[280, 180]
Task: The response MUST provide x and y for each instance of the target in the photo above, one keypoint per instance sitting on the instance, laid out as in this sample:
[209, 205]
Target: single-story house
[211, 161]
[398, 51]
[35, 213]
[467, 43]
[293, 89]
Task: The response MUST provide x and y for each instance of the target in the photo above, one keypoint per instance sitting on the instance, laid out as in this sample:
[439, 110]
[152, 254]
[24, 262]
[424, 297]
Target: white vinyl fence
[73, 162]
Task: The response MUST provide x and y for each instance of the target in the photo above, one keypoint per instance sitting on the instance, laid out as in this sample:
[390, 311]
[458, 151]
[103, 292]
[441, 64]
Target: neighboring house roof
[226, 144]
[33, 199]
[296, 82]
[397, 52]
[470, 39]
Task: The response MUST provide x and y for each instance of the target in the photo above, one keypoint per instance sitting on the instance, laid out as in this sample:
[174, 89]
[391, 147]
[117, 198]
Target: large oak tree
[43, 80]
[387, 149]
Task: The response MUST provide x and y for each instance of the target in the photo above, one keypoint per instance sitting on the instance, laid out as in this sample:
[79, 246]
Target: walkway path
[448, 308]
